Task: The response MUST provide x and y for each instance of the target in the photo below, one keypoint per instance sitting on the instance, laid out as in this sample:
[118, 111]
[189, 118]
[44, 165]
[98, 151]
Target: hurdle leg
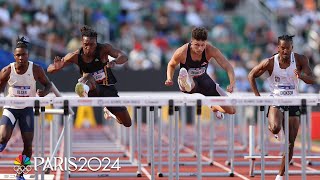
[151, 138]
[286, 126]
[171, 139]
[199, 151]
[262, 123]
[309, 129]
[160, 142]
[211, 151]
[303, 138]
[177, 148]
[228, 122]
[131, 142]
[66, 138]
[42, 138]
[36, 133]
[251, 145]
[148, 137]
[139, 121]
[183, 123]
[232, 145]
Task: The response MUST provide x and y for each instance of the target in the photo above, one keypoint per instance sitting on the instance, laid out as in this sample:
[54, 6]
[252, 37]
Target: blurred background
[149, 32]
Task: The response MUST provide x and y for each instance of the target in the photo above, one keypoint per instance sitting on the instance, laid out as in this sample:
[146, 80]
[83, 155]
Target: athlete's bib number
[21, 91]
[197, 71]
[285, 90]
[286, 93]
[99, 75]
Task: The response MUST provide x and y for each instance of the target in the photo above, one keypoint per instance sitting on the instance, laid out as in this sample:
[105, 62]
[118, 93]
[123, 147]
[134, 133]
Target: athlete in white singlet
[18, 79]
[285, 70]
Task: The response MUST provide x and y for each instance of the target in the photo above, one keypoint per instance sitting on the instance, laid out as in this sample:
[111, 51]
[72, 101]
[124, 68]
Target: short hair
[88, 32]
[285, 38]
[200, 34]
[22, 42]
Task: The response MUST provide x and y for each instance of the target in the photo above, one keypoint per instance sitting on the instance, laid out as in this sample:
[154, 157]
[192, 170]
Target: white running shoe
[82, 89]
[108, 115]
[278, 177]
[219, 115]
[185, 84]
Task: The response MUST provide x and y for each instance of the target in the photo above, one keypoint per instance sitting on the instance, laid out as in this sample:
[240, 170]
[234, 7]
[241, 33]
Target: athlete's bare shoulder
[300, 59]
[211, 50]
[5, 73]
[72, 56]
[106, 47]
[36, 68]
[182, 51]
[6, 68]
[270, 61]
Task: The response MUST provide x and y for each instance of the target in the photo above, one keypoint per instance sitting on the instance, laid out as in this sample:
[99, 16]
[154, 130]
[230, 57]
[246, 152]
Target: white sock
[279, 177]
[86, 88]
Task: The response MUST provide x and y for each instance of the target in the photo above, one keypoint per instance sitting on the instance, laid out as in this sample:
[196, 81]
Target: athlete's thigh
[7, 123]
[111, 91]
[275, 116]
[207, 86]
[26, 120]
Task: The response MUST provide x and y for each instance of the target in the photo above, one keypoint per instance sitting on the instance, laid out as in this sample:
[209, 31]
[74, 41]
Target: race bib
[196, 71]
[99, 75]
[285, 90]
[21, 91]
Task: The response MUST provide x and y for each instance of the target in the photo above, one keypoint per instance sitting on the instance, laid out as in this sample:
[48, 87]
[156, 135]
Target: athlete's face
[89, 45]
[198, 46]
[285, 49]
[21, 56]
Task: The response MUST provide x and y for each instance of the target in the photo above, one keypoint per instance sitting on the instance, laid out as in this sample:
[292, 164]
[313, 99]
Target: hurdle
[132, 162]
[66, 102]
[303, 157]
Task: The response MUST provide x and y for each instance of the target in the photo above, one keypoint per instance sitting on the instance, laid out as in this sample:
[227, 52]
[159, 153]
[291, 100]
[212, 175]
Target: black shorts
[293, 110]
[107, 91]
[206, 86]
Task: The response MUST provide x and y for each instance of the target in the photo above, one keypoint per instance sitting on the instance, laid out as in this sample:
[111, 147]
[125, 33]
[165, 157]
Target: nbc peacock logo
[21, 164]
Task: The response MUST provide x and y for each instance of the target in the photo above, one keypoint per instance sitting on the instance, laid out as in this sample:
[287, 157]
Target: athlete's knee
[232, 110]
[2, 146]
[89, 80]
[4, 140]
[274, 128]
[229, 110]
[127, 123]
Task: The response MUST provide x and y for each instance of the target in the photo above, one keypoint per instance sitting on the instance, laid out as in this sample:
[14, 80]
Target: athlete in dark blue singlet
[95, 67]
[194, 58]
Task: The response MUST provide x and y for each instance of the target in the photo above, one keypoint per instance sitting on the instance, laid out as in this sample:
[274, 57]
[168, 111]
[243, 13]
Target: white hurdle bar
[67, 102]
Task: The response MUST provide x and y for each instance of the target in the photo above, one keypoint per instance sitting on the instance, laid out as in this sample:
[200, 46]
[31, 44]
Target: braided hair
[285, 38]
[22, 43]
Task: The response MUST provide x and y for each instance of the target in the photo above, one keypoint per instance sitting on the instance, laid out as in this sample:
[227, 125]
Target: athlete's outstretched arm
[257, 72]
[305, 74]
[120, 57]
[173, 63]
[225, 64]
[41, 77]
[4, 77]
[59, 63]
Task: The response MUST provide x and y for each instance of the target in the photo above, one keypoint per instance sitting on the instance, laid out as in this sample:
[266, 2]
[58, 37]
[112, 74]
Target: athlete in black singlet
[194, 58]
[95, 67]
